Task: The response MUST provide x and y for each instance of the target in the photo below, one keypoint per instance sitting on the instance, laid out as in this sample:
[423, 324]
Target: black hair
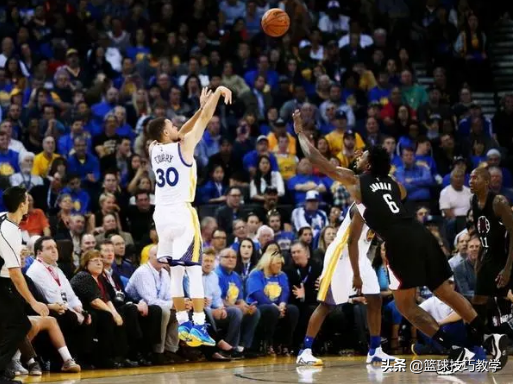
[379, 161]
[259, 175]
[13, 197]
[239, 267]
[38, 245]
[156, 128]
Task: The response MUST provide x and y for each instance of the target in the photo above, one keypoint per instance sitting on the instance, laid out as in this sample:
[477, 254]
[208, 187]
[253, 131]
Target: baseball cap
[340, 115]
[493, 152]
[304, 43]
[435, 117]
[333, 4]
[262, 137]
[350, 133]
[280, 122]
[312, 195]
[71, 51]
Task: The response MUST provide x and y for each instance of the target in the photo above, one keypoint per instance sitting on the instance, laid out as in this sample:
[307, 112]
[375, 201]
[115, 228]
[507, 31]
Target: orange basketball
[275, 22]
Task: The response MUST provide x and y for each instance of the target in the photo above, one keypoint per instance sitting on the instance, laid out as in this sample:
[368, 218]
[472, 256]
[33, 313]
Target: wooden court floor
[351, 370]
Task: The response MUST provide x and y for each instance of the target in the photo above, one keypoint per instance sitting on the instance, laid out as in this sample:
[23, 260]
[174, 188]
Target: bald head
[152, 258]
[119, 245]
[228, 259]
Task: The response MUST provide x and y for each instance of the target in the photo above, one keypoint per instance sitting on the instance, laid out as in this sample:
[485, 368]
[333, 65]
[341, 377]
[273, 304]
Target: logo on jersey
[483, 225]
[381, 187]
[370, 235]
[163, 157]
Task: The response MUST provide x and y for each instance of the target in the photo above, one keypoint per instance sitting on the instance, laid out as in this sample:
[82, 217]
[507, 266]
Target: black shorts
[415, 258]
[486, 276]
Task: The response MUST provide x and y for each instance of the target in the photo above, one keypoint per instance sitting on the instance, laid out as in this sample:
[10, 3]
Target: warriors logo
[483, 225]
[370, 235]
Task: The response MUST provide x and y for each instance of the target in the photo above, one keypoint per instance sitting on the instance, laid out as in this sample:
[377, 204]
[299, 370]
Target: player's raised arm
[503, 211]
[342, 175]
[192, 138]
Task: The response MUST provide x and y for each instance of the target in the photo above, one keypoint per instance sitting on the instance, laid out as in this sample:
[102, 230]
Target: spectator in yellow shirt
[145, 253]
[287, 162]
[279, 130]
[347, 155]
[336, 138]
[43, 160]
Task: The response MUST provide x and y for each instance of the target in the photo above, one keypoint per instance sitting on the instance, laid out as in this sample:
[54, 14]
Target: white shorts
[179, 234]
[337, 277]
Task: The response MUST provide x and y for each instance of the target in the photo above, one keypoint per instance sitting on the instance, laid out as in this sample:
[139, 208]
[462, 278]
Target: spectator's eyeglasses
[239, 228]
[219, 237]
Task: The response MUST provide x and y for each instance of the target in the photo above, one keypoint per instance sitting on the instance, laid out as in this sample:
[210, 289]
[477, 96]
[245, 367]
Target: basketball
[275, 22]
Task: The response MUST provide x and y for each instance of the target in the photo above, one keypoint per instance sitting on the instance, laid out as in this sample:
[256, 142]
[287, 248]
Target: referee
[14, 324]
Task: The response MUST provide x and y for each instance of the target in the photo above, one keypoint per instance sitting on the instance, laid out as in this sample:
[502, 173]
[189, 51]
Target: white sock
[64, 352]
[198, 318]
[182, 317]
[240, 349]
[31, 361]
[17, 355]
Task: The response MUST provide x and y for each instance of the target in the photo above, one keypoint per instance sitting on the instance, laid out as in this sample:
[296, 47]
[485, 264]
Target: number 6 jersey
[175, 179]
[381, 198]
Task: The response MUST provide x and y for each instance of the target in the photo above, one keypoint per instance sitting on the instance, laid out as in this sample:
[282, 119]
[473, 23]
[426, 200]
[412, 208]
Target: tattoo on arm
[503, 211]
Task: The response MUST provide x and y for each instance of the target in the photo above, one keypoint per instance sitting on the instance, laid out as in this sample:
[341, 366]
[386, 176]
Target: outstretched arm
[342, 175]
[503, 211]
[189, 124]
[194, 134]
[355, 231]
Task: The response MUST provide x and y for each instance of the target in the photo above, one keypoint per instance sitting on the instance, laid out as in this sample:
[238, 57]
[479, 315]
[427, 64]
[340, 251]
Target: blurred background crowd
[81, 79]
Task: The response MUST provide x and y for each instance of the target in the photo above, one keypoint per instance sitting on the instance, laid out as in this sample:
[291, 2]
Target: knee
[256, 315]
[269, 311]
[292, 311]
[235, 313]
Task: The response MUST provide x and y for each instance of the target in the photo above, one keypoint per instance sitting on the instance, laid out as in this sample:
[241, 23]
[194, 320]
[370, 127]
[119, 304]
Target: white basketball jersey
[365, 240]
[175, 180]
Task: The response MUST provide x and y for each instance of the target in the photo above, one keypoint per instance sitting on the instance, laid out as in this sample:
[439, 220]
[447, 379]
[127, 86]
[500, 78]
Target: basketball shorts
[414, 257]
[337, 276]
[485, 278]
[179, 234]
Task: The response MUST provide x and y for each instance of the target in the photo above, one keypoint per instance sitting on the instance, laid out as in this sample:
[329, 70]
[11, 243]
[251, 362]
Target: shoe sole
[501, 354]
[195, 341]
[183, 335]
[303, 363]
[71, 370]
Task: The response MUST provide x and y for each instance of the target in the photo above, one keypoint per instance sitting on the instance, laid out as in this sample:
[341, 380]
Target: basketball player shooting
[493, 220]
[415, 258]
[176, 221]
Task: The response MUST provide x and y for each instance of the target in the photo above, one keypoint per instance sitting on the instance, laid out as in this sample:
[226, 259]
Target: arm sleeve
[280, 185]
[444, 201]
[96, 169]
[10, 244]
[217, 302]
[256, 289]
[86, 288]
[425, 179]
[252, 189]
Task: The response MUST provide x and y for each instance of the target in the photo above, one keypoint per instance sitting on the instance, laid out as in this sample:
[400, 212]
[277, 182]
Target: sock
[375, 342]
[476, 332]
[308, 342]
[442, 338]
[198, 318]
[64, 352]
[17, 355]
[182, 317]
[240, 349]
[31, 361]
[482, 311]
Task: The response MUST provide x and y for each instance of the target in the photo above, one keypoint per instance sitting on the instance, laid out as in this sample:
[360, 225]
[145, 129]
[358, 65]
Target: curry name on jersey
[175, 180]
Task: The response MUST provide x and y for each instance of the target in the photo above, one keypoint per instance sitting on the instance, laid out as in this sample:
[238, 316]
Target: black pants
[275, 330]
[14, 324]
[112, 340]
[142, 331]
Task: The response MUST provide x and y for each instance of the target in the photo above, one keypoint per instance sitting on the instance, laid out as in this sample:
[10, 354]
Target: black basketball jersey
[382, 200]
[491, 232]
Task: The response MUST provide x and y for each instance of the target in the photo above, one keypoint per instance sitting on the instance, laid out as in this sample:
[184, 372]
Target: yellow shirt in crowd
[336, 142]
[273, 143]
[287, 165]
[42, 164]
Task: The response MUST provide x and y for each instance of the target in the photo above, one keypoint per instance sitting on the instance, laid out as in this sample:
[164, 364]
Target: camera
[119, 297]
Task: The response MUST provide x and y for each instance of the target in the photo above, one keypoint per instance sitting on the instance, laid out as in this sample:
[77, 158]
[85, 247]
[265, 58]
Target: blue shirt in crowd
[9, 163]
[420, 180]
[300, 196]
[267, 290]
[79, 198]
[231, 285]
[84, 167]
[250, 159]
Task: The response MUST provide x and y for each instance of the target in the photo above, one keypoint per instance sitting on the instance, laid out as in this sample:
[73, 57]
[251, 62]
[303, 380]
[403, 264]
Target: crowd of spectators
[79, 82]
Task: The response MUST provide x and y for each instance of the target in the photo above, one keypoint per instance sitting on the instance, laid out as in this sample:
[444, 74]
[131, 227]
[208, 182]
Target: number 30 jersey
[381, 198]
[175, 179]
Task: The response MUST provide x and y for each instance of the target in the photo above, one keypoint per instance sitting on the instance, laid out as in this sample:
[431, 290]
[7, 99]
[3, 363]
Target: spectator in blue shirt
[464, 127]
[380, 92]
[282, 237]
[214, 191]
[79, 197]
[232, 293]
[250, 160]
[271, 76]
[268, 289]
[416, 179]
[231, 10]
[210, 143]
[100, 110]
[424, 158]
[66, 142]
[86, 166]
[395, 160]
[461, 163]
[304, 181]
[9, 164]
[310, 215]
[493, 158]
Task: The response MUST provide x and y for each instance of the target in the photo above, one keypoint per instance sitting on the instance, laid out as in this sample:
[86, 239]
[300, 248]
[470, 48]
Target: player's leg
[372, 293]
[198, 333]
[305, 356]
[177, 273]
